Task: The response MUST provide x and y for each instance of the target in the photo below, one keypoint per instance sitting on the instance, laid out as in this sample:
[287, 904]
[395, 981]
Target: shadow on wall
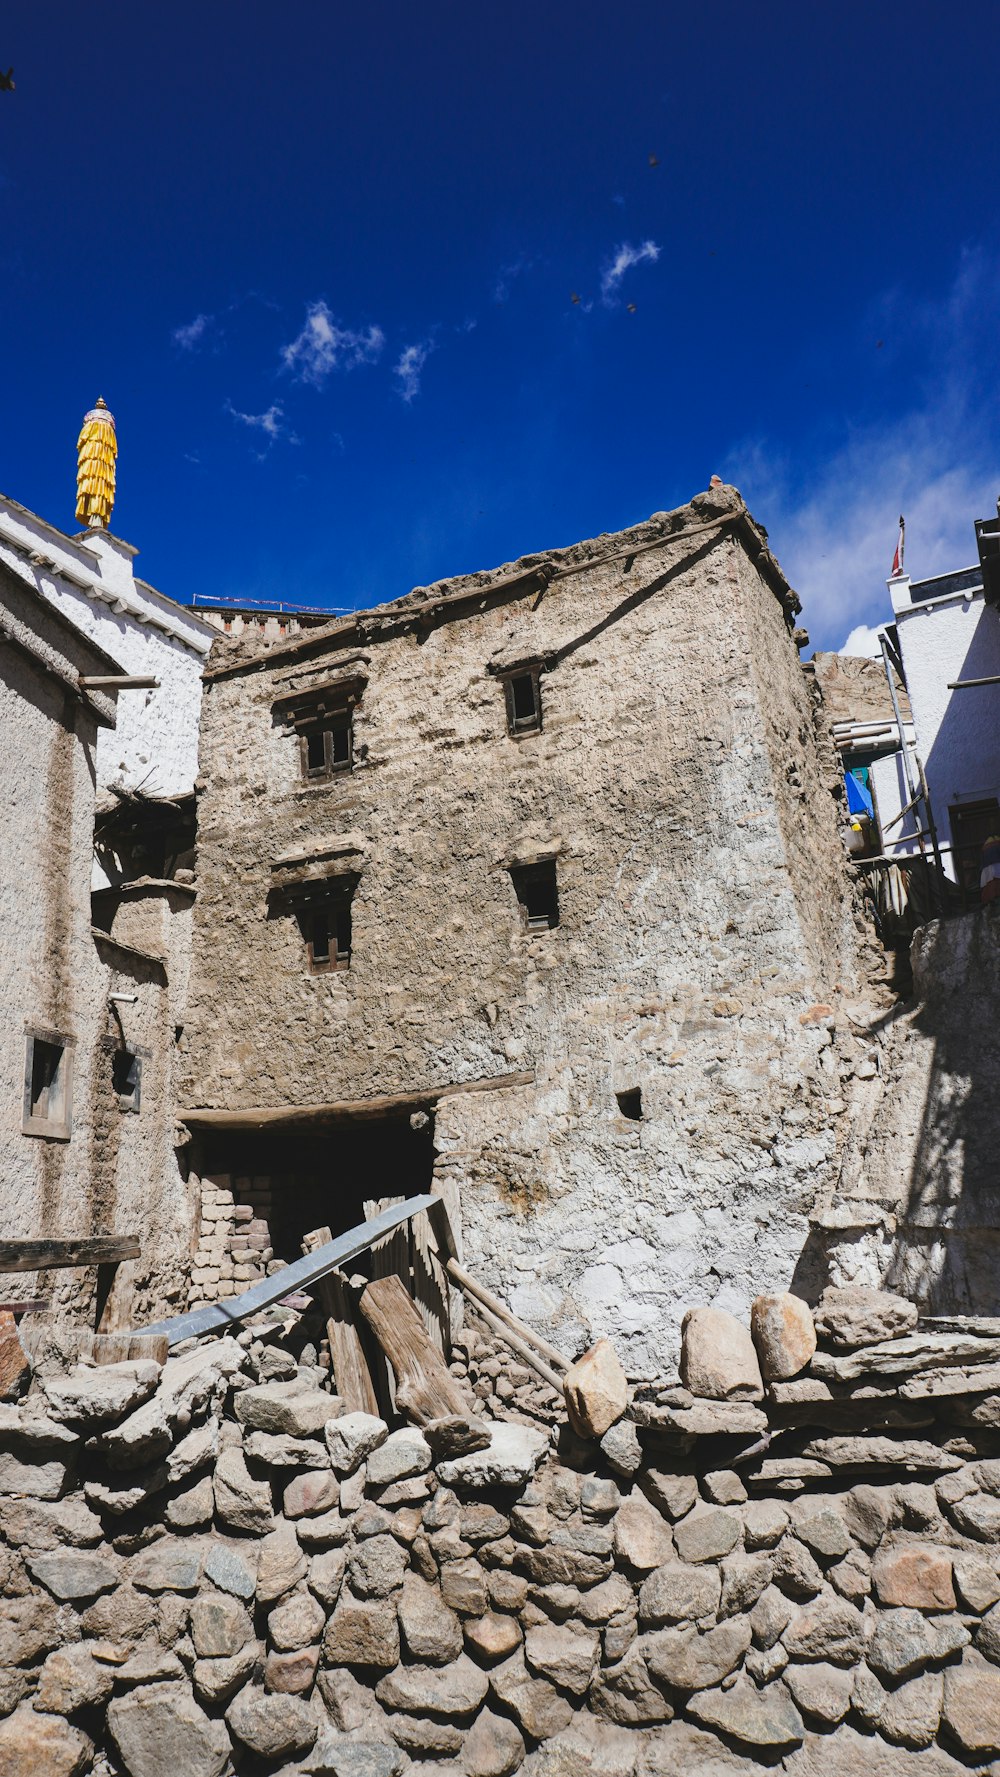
[926, 1175]
[946, 1249]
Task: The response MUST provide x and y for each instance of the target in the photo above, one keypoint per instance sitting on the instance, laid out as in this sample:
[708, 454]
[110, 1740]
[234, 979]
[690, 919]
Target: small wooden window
[326, 929]
[47, 1085]
[537, 891]
[126, 1078]
[524, 701]
[327, 745]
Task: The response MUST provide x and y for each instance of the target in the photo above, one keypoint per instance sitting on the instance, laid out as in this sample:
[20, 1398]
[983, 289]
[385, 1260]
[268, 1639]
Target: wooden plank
[100, 1348]
[390, 1258]
[347, 1109]
[425, 1388]
[118, 682]
[55, 1255]
[303, 1273]
[352, 1379]
[29, 1305]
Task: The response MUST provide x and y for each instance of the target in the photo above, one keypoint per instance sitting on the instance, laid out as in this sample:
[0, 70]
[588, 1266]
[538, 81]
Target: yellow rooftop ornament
[96, 450]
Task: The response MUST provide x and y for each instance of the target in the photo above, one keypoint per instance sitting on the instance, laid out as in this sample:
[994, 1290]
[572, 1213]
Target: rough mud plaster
[679, 782]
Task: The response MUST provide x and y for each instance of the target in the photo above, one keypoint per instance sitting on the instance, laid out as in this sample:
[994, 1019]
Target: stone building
[85, 1043]
[530, 883]
[97, 895]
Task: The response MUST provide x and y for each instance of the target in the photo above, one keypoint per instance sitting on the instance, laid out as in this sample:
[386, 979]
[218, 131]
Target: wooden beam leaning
[215, 1317]
[426, 1391]
[55, 1255]
[118, 682]
[525, 1352]
[351, 1376]
[484, 1298]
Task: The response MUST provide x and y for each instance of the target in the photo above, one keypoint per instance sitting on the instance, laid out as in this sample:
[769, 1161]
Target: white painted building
[90, 580]
[948, 636]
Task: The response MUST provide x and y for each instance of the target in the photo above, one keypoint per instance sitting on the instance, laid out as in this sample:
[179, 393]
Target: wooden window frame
[330, 723]
[334, 901]
[56, 1121]
[530, 724]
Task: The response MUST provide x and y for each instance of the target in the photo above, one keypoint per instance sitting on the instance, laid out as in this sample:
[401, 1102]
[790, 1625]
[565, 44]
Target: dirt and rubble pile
[211, 1567]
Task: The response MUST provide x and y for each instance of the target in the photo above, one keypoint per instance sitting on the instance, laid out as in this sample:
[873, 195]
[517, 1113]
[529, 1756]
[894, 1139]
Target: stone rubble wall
[209, 1569]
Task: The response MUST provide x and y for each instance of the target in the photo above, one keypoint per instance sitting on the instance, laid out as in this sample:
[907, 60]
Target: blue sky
[320, 261]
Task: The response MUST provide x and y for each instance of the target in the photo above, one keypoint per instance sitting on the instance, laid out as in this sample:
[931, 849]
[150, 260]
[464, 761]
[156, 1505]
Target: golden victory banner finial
[96, 450]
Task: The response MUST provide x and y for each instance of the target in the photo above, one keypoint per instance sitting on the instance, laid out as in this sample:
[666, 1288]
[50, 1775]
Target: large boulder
[596, 1391]
[718, 1360]
[510, 1459]
[292, 1408]
[160, 1731]
[853, 1316]
[272, 1725]
[88, 1397]
[783, 1332]
[34, 1745]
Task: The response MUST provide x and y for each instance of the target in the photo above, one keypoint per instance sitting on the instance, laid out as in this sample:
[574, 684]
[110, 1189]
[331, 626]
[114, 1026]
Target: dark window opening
[535, 888]
[524, 702]
[47, 1074]
[972, 824]
[126, 1077]
[46, 1059]
[328, 746]
[630, 1103]
[327, 933]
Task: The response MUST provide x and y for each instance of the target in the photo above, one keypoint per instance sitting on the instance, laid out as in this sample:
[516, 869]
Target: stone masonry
[210, 1568]
[673, 1059]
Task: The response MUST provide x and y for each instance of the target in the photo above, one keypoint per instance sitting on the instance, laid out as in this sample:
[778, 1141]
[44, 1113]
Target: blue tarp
[858, 795]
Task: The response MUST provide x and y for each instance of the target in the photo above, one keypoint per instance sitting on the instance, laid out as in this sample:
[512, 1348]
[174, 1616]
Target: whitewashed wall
[958, 732]
[91, 580]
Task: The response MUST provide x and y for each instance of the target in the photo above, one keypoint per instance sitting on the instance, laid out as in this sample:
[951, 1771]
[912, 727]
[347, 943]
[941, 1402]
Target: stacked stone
[234, 1244]
[212, 1568]
[507, 1389]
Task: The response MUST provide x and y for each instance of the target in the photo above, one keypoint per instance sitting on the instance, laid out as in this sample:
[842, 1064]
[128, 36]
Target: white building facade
[90, 580]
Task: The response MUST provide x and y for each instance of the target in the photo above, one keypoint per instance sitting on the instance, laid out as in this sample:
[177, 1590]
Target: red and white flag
[897, 560]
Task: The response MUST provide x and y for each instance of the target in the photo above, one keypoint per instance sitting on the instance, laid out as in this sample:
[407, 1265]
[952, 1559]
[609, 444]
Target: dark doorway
[322, 1175]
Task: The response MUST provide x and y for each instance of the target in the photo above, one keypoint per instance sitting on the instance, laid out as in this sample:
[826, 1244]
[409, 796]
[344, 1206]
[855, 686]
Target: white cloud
[409, 366]
[622, 260]
[192, 335]
[862, 640]
[324, 346]
[936, 462]
[268, 426]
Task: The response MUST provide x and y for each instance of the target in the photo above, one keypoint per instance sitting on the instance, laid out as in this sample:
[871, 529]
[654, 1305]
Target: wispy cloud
[936, 460]
[324, 346]
[409, 366]
[190, 337]
[268, 426]
[621, 261]
[508, 274]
